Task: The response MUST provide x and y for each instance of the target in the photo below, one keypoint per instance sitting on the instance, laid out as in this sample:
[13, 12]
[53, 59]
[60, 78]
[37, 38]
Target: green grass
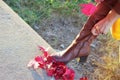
[33, 11]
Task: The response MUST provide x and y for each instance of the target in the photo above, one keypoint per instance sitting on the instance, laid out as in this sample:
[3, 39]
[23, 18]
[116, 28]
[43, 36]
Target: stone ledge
[18, 44]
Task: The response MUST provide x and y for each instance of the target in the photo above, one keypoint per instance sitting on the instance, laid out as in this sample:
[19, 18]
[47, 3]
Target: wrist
[112, 16]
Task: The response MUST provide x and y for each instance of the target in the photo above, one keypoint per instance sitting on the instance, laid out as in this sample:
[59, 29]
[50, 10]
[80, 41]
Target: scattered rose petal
[31, 63]
[88, 9]
[53, 68]
[49, 60]
[36, 65]
[59, 71]
[69, 74]
[38, 58]
[40, 61]
[44, 51]
[50, 72]
[84, 78]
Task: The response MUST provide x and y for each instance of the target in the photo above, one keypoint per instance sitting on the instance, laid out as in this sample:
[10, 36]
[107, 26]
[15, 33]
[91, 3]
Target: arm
[117, 7]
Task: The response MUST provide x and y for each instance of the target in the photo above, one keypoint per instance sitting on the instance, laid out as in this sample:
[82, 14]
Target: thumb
[95, 30]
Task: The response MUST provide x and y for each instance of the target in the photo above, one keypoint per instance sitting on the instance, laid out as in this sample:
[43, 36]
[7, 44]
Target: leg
[81, 45]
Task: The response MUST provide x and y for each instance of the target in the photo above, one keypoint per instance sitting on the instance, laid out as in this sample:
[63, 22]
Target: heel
[83, 59]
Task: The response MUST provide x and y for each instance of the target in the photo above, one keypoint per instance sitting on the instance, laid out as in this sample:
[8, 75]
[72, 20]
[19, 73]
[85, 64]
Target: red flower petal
[40, 60]
[88, 9]
[50, 71]
[44, 51]
[69, 74]
[49, 60]
[53, 68]
[60, 70]
[41, 48]
[84, 78]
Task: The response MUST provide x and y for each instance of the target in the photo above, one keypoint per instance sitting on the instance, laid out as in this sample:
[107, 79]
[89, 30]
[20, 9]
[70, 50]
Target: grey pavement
[18, 44]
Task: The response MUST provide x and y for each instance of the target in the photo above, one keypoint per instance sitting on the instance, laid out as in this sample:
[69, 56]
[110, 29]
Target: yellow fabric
[115, 30]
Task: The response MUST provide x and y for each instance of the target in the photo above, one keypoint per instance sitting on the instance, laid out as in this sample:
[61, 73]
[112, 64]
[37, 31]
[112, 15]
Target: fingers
[107, 28]
[102, 29]
[95, 31]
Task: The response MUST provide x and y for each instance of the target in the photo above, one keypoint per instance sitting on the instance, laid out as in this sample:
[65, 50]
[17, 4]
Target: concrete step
[18, 44]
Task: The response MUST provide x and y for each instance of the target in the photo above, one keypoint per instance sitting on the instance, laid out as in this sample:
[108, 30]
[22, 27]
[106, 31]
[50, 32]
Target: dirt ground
[59, 32]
